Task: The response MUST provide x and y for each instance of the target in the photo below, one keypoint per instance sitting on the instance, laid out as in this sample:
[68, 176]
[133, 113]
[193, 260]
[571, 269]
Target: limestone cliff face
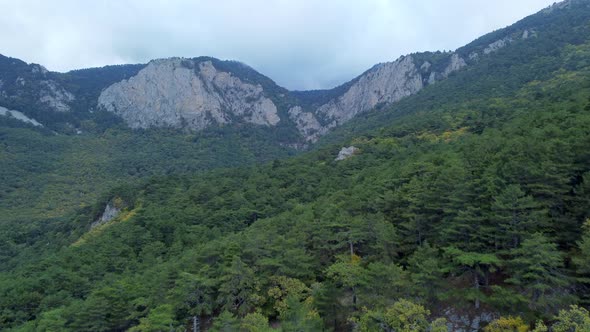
[55, 97]
[191, 93]
[307, 124]
[382, 85]
[386, 83]
[187, 93]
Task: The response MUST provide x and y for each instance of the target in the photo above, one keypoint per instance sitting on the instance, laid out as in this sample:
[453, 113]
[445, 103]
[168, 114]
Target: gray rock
[432, 78]
[386, 83]
[38, 69]
[467, 321]
[346, 153]
[19, 116]
[307, 124]
[170, 93]
[184, 93]
[456, 63]
[566, 4]
[498, 44]
[110, 213]
[55, 96]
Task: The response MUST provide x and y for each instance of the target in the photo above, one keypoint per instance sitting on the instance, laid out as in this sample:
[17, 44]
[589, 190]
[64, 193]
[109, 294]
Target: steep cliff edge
[383, 84]
[187, 93]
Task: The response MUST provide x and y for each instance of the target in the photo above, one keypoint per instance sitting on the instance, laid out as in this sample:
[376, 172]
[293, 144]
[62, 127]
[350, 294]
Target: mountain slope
[83, 144]
[469, 197]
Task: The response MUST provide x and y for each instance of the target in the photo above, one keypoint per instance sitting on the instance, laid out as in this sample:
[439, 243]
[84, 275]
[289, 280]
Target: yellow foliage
[446, 136]
[507, 324]
[355, 259]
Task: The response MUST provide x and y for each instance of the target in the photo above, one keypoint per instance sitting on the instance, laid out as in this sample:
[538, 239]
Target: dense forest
[469, 199]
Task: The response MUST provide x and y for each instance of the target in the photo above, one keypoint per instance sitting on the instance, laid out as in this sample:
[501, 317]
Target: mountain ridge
[250, 96]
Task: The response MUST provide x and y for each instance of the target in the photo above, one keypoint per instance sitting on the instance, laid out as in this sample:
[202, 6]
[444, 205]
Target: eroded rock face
[183, 93]
[346, 152]
[111, 211]
[498, 44]
[307, 124]
[386, 83]
[54, 96]
[19, 116]
[455, 64]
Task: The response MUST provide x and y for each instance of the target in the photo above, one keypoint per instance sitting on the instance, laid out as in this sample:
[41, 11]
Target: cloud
[301, 44]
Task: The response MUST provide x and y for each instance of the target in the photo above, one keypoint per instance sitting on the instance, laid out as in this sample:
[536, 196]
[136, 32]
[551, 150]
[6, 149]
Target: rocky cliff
[194, 93]
[187, 93]
[31, 85]
[202, 92]
[384, 84]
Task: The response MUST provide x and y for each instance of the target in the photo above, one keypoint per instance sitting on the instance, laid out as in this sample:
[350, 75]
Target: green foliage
[427, 271]
[52, 321]
[537, 267]
[507, 324]
[300, 316]
[282, 288]
[574, 319]
[160, 318]
[403, 316]
[582, 260]
[255, 322]
[238, 291]
[226, 322]
[470, 193]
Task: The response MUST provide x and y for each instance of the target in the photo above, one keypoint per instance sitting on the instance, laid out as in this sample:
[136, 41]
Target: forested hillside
[465, 206]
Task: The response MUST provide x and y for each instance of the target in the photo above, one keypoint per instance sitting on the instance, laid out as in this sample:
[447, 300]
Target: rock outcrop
[307, 124]
[19, 116]
[456, 63]
[111, 211]
[385, 83]
[54, 96]
[498, 44]
[187, 93]
[346, 152]
[33, 85]
[193, 93]
[382, 85]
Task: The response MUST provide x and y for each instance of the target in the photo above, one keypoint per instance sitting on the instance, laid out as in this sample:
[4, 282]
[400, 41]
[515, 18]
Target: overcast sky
[301, 44]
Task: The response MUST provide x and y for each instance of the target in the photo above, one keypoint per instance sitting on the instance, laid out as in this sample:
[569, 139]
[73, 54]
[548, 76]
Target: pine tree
[348, 272]
[239, 288]
[536, 268]
[427, 269]
[515, 215]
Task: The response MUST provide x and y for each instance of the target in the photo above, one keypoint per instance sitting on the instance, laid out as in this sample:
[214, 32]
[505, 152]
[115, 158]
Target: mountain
[467, 200]
[202, 92]
[97, 127]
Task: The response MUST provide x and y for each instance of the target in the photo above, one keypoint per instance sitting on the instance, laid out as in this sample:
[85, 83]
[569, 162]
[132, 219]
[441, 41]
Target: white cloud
[301, 44]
